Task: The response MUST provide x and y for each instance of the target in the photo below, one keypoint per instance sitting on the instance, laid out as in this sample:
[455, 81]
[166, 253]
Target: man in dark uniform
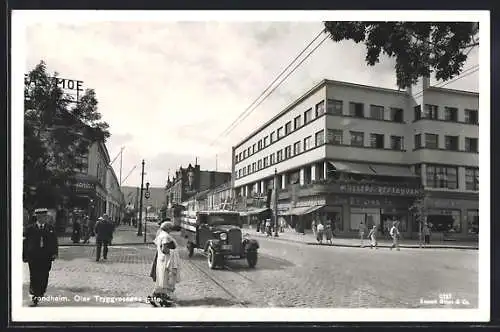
[40, 249]
[104, 234]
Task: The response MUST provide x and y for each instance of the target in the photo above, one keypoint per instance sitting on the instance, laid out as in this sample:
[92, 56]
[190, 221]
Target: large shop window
[335, 217]
[471, 178]
[473, 221]
[444, 220]
[369, 217]
[442, 177]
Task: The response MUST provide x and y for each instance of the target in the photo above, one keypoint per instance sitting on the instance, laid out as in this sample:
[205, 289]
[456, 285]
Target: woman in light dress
[168, 266]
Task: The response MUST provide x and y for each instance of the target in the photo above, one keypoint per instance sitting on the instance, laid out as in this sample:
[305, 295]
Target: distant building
[190, 181]
[354, 153]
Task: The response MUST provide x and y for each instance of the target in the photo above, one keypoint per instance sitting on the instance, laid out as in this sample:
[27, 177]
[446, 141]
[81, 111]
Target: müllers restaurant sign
[378, 189]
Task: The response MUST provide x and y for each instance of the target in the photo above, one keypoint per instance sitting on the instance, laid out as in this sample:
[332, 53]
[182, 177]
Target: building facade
[356, 153]
[190, 181]
[115, 200]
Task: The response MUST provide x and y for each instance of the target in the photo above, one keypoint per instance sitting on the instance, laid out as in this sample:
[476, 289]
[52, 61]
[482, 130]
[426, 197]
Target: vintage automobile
[219, 235]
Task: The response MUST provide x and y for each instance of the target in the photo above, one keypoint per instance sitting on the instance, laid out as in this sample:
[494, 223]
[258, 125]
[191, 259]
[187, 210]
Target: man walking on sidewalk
[395, 235]
[104, 233]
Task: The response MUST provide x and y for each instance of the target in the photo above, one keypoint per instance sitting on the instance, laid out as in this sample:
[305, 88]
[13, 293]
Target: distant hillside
[156, 200]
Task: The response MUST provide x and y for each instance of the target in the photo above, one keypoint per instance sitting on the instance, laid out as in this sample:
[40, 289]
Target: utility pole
[275, 207]
[139, 230]
[216, 163]
[121, 165]
[147, 207]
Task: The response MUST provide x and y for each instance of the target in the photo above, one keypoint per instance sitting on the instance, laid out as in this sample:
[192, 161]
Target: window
[471, 144]
[259, 164]
[239, 173]
[320, 108]
[254, 148]
[397, 115]
[266, 142]
[334, 107]
[418, 170]
[253, 167]
[288, 127]
[245, 153]
[471, 178]
[418, 141]
[307, 116]
[377, 112]
[430, 112]
[451, 143]
[451, 114]
[296, 148]
[471, 116]
[240, 156]
[473, 221]
[266, 161]
[307, 143]
[334, 136]
[397, 143]
[418, 112]
[249, 151]
[377, 141]
[356, 110]
[320, 138]
[279, 156]
[357, 138]
[442, 177]
[288, 152]
[272, 137]
[431, 141]
[297, 123]
[280, 132]
[444, 220]
[249, 169]
[259, 145]
[272, 158]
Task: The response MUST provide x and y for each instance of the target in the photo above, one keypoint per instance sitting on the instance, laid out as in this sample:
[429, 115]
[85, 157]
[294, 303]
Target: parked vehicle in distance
[218, 234]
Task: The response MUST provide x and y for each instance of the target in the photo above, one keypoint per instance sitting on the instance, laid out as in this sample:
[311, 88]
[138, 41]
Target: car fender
[250, 245]
[214, 243]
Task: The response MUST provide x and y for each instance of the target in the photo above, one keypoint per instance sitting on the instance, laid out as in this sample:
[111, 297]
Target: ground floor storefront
[451, 217]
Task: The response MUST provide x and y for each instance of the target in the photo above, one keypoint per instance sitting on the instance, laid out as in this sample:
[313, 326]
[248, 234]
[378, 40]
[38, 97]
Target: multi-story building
[357, 153]
[115, 199]
[189, 181]
[220, 197]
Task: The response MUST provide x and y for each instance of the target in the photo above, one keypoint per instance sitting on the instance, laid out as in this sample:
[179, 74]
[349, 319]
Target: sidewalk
[291, 236]
[123, 235]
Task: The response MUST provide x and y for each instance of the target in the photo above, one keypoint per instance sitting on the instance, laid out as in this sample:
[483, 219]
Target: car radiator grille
[234, 237]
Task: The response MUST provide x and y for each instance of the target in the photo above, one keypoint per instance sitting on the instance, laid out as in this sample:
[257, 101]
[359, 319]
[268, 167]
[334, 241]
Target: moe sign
[70, 87]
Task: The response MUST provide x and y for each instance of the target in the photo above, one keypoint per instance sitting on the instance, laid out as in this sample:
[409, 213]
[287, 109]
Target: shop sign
[84, 186]
[378, 189]
[312, 202]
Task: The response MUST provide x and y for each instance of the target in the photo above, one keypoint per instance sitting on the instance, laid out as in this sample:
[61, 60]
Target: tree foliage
[56, 138]
[419, 48]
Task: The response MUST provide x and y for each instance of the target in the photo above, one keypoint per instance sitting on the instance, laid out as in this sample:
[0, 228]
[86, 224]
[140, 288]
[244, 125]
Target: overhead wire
[249, 108]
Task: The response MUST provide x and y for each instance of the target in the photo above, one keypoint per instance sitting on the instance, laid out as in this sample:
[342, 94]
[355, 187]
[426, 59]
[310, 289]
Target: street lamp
[275, 207]
[146, 216]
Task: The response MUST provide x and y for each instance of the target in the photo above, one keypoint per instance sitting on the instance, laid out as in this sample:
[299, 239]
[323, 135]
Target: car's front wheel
[213, 259]
[252, 259]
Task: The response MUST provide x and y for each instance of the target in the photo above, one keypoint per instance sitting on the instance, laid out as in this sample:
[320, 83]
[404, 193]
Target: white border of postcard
[20, 19]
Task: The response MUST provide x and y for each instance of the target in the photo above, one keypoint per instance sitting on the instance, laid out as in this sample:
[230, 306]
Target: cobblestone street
[287, 274]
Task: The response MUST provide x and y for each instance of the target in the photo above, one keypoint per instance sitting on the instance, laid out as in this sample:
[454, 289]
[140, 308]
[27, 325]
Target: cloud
[169, 89]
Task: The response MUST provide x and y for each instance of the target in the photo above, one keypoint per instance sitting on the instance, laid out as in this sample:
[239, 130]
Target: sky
[169, 89]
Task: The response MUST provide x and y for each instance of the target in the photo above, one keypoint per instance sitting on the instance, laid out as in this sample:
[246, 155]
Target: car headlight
[223, 236]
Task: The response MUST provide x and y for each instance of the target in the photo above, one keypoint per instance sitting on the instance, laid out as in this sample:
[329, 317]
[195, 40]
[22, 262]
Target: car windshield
[221, 219]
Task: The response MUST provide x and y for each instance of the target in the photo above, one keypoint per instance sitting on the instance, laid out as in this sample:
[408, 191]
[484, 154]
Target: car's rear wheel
[252, 259]
[190, 248]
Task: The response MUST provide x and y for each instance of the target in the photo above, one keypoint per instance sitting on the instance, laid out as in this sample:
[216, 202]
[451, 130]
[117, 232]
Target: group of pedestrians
[323, 229]
[372, 235]
[41, 247]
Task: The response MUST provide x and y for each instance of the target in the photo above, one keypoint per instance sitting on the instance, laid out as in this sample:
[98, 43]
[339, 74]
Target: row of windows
[446, 177]
[356, 109]
[431, 112]
[431, 141]
[334, 136]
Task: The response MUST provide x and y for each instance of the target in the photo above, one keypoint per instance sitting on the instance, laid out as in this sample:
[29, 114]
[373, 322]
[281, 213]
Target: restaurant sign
[378, 189]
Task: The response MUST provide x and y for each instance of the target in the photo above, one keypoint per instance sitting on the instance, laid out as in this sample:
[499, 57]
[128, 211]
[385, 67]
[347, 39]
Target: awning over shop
[352, 167]
[254, 212]
[297, 211]
[313, 208]
[399, 171]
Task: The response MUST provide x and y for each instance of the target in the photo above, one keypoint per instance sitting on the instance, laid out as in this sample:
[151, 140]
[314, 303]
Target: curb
[93, 244]
[379, 246]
